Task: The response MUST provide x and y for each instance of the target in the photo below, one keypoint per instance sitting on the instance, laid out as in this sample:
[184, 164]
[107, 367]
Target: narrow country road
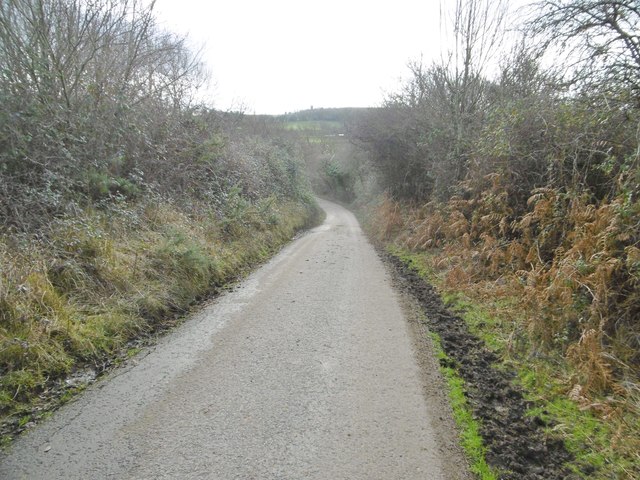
[305, 371]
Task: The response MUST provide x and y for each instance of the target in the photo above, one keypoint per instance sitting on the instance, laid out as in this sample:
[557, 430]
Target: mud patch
[516, 443]
[58, 391]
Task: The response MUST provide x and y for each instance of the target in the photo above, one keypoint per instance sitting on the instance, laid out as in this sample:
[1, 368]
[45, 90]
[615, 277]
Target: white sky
[277, 56]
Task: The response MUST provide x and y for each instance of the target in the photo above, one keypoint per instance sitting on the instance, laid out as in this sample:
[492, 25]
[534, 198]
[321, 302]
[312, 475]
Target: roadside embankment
[77, 298]
[524, 407]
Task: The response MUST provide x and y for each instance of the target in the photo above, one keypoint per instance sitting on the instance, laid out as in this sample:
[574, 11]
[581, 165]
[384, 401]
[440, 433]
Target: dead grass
[565, 278]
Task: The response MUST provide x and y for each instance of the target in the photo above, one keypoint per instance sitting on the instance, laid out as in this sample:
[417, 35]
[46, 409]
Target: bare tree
[421, 143]
[86, 85]
[476, 30]
[599, 41]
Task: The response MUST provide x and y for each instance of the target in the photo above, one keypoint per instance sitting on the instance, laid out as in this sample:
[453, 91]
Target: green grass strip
[470, 437]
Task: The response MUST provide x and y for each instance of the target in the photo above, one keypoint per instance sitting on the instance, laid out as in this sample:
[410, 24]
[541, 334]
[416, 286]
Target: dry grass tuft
[388, 220]
[587, 357]
[576, 266]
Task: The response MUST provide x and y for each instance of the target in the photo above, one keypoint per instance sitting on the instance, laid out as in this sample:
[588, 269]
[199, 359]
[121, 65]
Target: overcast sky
[277, 56]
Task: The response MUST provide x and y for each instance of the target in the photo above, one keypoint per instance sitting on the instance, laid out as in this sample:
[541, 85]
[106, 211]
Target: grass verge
[603, 435]
[76, 295]
[470, 437]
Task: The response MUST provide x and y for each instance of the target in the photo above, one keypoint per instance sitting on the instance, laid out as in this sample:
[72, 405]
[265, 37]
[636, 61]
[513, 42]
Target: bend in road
[305, 371]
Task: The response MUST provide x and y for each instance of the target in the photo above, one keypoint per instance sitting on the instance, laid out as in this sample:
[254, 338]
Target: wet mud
[516, 443]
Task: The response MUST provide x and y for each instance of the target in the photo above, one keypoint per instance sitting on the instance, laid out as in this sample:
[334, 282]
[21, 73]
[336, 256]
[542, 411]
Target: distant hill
[325, 115]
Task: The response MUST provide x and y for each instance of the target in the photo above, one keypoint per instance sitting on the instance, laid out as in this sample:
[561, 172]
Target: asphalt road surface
[307, 370]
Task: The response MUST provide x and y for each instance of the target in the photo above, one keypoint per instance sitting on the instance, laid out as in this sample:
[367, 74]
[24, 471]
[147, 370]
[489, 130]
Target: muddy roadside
[516, 443]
